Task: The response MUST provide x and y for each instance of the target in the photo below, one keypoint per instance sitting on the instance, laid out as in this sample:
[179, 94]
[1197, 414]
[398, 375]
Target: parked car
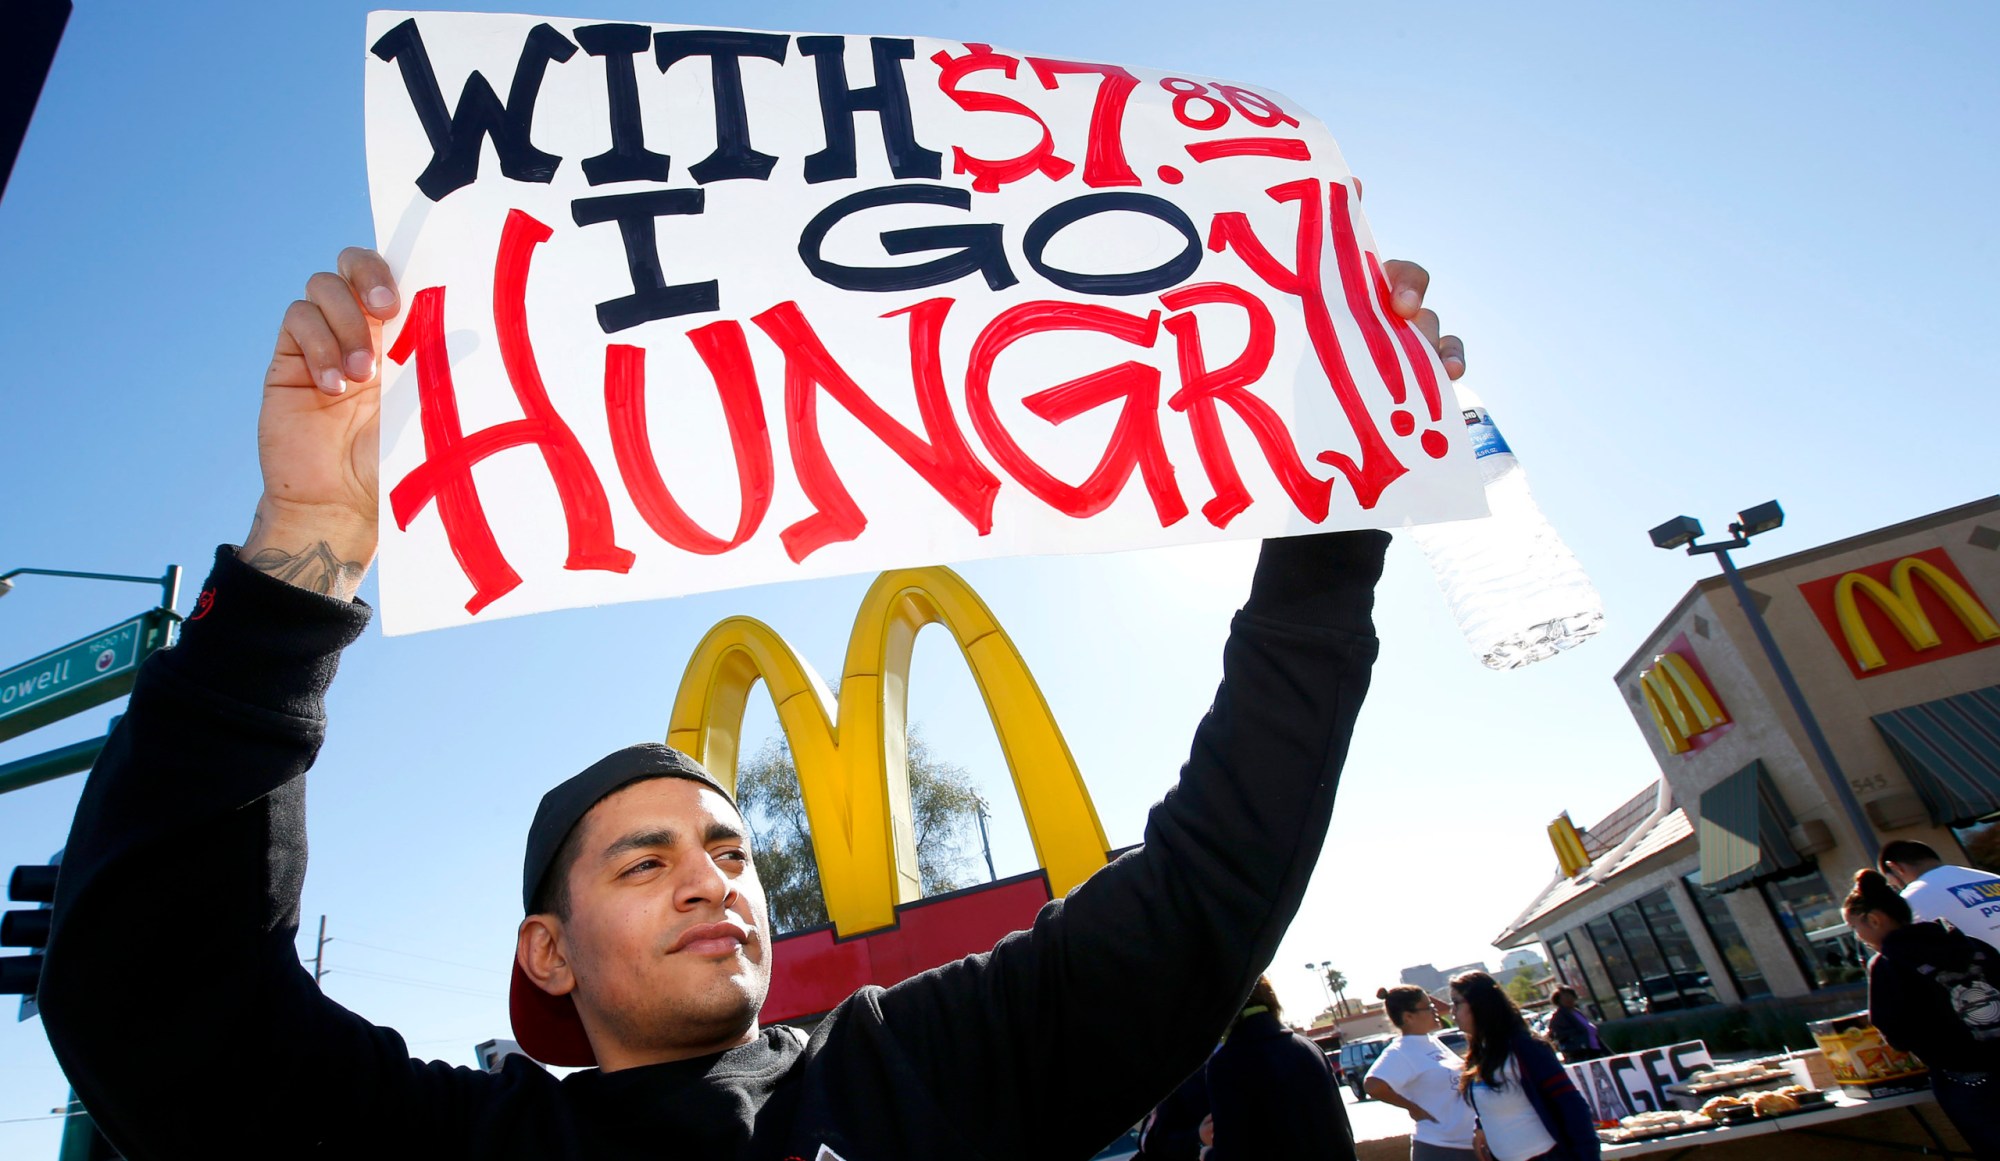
[1356, 1056]
[1328, 1040]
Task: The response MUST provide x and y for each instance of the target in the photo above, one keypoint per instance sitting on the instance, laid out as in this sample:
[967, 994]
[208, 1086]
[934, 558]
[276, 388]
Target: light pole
[1326, 989]
[169, 581]
[1685, 530]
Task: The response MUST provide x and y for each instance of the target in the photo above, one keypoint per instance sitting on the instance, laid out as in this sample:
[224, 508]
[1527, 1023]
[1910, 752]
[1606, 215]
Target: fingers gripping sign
[332, 336]
[1408, 284]
[317, 432]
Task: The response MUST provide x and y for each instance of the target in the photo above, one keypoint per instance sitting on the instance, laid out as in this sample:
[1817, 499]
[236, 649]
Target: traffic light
[20, 975]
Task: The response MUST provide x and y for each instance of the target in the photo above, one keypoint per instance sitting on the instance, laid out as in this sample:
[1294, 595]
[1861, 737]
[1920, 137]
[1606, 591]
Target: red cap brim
[546, 1026]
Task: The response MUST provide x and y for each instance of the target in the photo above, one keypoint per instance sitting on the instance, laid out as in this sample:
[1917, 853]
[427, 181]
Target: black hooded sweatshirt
[1274, 1098]
[1048, 1046]
[1934, 991]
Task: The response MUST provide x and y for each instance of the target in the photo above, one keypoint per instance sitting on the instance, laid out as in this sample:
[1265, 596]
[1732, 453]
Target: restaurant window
[1684, 966]
[1728, 939]
[1628, 998]
[1570, 967]
[1809, 913]
[1981, 841]
[1670, 973]
[1657, 992]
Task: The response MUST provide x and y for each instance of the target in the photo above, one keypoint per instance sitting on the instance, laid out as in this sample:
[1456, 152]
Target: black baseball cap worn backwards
[546, 1026]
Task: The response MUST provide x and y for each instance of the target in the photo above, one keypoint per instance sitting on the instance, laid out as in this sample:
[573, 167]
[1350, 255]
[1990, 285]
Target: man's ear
[539, 950]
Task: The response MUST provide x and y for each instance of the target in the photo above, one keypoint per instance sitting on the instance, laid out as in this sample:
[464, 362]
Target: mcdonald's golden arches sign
[854, 772]
[1679, 699]
[1901, 613]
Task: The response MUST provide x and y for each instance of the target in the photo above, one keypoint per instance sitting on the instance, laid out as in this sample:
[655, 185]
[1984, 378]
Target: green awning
[1745, 832]
[1950, 748]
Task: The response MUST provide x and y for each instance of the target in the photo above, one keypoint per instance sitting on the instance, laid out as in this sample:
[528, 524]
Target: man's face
[667, 933]
[1899, 874]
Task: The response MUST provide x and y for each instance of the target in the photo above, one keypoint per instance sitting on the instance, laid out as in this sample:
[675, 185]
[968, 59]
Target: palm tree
[1338, 982]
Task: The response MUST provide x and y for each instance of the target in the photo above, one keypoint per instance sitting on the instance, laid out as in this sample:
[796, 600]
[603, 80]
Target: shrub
[1767, 1024]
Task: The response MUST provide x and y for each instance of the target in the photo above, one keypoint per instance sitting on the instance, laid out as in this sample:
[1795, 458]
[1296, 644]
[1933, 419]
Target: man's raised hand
[1407, 284]
[317, 434]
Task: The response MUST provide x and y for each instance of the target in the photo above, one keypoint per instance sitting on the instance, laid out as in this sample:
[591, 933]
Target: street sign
[79, 675]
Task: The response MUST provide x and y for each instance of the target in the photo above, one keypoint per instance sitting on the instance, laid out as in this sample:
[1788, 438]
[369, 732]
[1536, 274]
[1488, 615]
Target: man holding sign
[645, 947]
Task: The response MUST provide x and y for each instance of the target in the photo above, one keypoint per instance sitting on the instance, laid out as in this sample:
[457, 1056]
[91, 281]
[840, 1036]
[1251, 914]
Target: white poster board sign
[693, 308]
[1636, 1082]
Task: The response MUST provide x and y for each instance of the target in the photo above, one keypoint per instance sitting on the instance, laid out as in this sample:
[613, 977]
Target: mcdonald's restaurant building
[1721, 883]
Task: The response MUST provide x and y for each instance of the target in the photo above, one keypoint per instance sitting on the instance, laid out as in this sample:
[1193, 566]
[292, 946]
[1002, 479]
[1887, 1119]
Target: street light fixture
[1760, 518]
[1753, 521]
[1676, 532]
[1319, 969]
[169, 582]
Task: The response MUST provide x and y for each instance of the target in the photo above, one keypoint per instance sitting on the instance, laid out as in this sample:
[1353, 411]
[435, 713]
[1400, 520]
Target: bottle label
[1486, 438]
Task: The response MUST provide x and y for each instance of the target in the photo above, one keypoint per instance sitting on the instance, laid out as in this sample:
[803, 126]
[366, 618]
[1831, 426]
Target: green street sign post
[52, 764]
[81, 674]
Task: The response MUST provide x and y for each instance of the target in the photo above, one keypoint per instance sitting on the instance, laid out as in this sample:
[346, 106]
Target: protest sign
[693, 308]
[1636, 1082]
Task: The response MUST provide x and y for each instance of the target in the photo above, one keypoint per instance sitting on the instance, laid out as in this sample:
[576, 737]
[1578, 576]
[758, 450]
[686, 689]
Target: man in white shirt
[1961, 896]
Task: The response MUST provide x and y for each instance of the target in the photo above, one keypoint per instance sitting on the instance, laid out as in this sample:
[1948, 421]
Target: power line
[415, 955]
[407, 981]
[434, 985]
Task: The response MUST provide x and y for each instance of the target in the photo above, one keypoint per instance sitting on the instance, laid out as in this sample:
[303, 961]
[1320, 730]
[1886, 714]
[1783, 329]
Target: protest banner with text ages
[693, 308]
[1636, 1082]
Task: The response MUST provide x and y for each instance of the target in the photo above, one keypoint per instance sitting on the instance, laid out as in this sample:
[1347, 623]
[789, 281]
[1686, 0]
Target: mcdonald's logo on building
[1571, 855]
[1677, 695]
[854, 774]
[1900, 613]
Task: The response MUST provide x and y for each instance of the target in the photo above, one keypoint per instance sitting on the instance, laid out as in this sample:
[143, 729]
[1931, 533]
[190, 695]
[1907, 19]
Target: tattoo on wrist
[316, 568]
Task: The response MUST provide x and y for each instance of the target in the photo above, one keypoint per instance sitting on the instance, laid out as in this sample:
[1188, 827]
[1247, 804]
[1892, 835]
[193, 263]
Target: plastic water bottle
[1514, 586]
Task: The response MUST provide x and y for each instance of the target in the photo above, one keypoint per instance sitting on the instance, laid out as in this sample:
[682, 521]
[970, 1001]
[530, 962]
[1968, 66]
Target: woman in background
[1572, 1031]
[1420, 1076]
[1523, 1104]
[1934, 992]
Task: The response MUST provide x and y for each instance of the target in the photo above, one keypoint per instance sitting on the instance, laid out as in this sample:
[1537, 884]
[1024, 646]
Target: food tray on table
[1737, 1110]
[1652, 1126]
[1709, 1082]
[1743, 1080]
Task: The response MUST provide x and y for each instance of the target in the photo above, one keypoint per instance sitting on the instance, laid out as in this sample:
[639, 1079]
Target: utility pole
[985, 846]
[319, 953]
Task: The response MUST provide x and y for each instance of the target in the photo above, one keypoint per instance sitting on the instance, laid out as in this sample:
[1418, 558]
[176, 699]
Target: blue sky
[1702, 256]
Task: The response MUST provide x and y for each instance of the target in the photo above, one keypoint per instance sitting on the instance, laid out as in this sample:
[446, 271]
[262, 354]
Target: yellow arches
[850, 754]
[1568, 842]
[1898, 599]
[1681, 703]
